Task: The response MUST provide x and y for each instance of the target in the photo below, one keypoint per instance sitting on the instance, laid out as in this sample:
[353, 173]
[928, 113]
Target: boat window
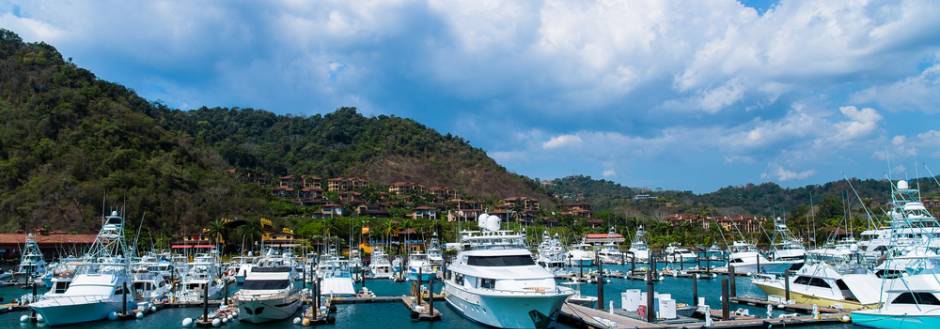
[819, 283]
[802, 280]
[458, 279]
[119, 291]
[841, 284]
[487, 283]
[921, 298]
[514, 260]
[61, 287]
[265, 284]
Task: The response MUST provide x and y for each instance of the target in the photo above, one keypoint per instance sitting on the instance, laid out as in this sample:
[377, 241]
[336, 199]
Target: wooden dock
[376, 299]
[585, 316]
[13, 307]
[423, 312]
[802, 308]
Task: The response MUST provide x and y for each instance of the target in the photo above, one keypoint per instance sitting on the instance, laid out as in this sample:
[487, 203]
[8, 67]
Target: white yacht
[335, 276]
[380, 267]
[551, 253]
[676, 253]
[102, 286]
[32, 265]
[910, 301]
[269, 292]
[150, 281]
[746, 259]
[435, 256]
[494, 280]
[638, 247]
[828, 286]
[581, 254]
[241, 266]
[202, 271]
[420, 265]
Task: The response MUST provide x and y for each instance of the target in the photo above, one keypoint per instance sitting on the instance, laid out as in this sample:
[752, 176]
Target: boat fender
[139, 315]
[112, 316]
[224, 320]
[24, 318]
[39, 318]
[187, 322]
[216, 322]
[306, 322]
[153, 309]
[296, 320]
[846, 319]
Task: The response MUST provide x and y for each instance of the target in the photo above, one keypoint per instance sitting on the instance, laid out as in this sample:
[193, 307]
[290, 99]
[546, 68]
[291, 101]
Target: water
[395, 315]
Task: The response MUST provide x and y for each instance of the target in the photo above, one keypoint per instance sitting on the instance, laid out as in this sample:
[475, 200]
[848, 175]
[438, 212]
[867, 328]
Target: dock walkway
[604, 319]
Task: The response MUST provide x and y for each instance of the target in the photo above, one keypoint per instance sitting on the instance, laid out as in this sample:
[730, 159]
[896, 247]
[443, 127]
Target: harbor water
[395, 315]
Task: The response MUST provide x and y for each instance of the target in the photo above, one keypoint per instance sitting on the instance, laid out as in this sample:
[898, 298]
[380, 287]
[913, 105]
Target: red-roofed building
[49, 243]
[600, 238]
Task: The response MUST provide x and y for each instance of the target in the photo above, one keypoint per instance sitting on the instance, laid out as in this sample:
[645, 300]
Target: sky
[690, 95]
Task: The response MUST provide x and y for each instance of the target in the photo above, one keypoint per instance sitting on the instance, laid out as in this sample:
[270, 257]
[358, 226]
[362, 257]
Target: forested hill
[69, 140]
[758, 199]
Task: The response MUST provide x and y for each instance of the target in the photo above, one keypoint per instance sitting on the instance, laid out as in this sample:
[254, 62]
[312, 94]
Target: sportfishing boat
[241, 266]
[101, 288]
[827, 286]
[910, 301]
[746, 258]
[609, 252]
[551, 253]
[269, 292]
[150, 283]
[494, 280]
[435, 256]
[380, 267]
[581, 254]
[203, 271]
[638, 247]
[335, 276]
[787, 248]
[676, 253]
[32, 265]
[419, 265]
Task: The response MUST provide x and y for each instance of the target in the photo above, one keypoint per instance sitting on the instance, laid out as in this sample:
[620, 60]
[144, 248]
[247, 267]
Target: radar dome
[481, 220]
[492, 223]
[902, 185]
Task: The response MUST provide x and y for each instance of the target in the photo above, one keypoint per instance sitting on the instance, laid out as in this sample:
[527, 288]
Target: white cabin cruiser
[203, 271]
[747, 259]
[581, 254]
[335, 276]
[101, 287]
[269, 292]
[494, 280]
[419, 265]
[638, 247]
[551, 253]
[32, 265]
[240, 267]
[676, 253]
[380, 266]
[828, 286]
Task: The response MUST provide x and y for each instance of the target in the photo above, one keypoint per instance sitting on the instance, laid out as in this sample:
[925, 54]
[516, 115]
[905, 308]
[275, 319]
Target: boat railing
[255, 297]
[63, 300]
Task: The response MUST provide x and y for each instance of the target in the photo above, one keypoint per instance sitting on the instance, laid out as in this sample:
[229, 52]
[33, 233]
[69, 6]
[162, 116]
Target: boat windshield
[512, 260]
[265, 284]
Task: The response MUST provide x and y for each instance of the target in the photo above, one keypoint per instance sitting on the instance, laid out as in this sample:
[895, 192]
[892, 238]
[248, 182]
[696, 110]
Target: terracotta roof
[602, 235]
[54, 238]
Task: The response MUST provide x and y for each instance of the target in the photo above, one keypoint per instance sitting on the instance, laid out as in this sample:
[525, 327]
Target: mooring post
[725, 307]
[600, 282]
[205, 302]
[731, 276]
[225, 291]
[681, 262]
[124, 298]
[316, 295]
[694, 290]
[431, 295]
[786, 286]
[418, 287]
[632, 263]
[758, 262]
[650, 294]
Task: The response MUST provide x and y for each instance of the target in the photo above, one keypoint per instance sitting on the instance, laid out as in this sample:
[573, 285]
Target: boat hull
[801, 298]
[875, 319]
[261, 311]
[503, 311]
[56, 315]
[771, 267]
[413, 276]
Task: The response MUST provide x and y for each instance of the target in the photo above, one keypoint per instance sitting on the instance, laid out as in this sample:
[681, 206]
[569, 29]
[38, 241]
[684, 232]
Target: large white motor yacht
[379, 266]
[494, 280]
[269, 292]
[638, 247]
[102, 285]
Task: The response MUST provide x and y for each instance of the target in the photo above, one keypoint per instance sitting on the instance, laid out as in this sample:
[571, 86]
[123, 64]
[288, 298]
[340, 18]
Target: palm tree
[216, 231]
[251, 232]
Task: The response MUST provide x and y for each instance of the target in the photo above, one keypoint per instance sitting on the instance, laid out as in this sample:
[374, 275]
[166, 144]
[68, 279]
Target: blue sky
[672, 94]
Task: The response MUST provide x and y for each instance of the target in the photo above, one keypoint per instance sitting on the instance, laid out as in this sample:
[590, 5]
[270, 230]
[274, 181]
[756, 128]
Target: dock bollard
[725, 308]
[734, 290]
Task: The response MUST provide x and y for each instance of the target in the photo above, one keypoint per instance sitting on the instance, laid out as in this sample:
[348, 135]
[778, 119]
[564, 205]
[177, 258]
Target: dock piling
[731, 276]
[786, 286]
[650, 291]
[600, 282]
[758, 262]
[725, 307]
[694, 289]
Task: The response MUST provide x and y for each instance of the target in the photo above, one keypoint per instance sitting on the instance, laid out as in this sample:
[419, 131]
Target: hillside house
[578, 210]
[424, 212]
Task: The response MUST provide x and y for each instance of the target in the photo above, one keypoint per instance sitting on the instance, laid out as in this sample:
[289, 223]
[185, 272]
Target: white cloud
[917, 93]
[783, 174]
[562, 141]
[609, 173]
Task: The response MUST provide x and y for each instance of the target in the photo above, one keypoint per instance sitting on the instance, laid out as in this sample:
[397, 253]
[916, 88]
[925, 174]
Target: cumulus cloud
[562, 141]
[916, 93]
[609, 173]
[782, 174]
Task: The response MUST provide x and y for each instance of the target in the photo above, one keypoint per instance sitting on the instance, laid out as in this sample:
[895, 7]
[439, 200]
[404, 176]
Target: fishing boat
[551, 253]
[910, 301]
[609, 252]
[787, 248]
[435, 255]
[495, 281]
[203, 272]
[380, 267]
[419, 266]
[101, 287]
[826, 285]
[240, 267]
[581, 255]
[335, 276]
[150, 282]
[32, 265]
[676, 253]
[269, 292]
[638, 247]
[746, 258]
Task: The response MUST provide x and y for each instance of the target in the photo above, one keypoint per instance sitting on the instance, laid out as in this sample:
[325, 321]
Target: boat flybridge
[910, 226]
[638, 247]
[380, 266]
[101, 287]
[609, 252]
[676, 253]
[551, 253]
[335, 276]
[32, 265]
[495, 281]
[910, 301]
[786, 246]
[269, 292]
[746, 258]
